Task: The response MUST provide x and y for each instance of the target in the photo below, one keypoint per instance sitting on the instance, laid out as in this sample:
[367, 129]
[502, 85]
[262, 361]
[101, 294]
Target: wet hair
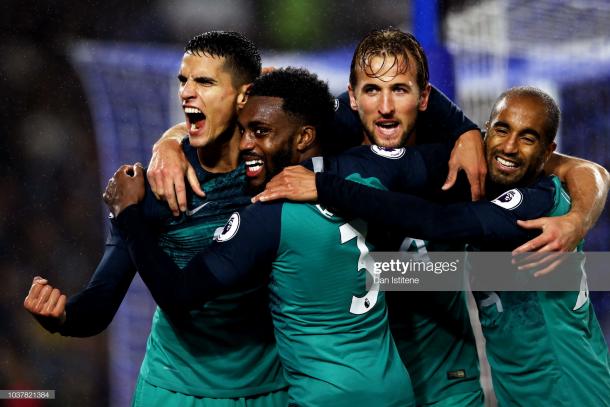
[394, 46]
[551, 108]
[242, 59]
[305, 96]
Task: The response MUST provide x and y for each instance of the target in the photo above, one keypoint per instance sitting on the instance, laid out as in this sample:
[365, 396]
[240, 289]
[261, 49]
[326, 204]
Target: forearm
[90, 311]
[176, 132]
[173, 289]
[586, 182]
[414, 216]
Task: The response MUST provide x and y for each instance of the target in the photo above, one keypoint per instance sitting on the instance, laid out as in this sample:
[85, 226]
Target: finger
[526, 258]
[544, 260]
[51, 302]
[271, 196]
[39, 280]
[531, 245]
[548, 269]
[35, 290]
[532, 224]
[170, 195]
[31, 299]
[451, 177]
[180, 189]
[138, 170]
[155, 186]
[482, 179]
[60, 307]
[42, 299]
[475, 186]
[191, 176]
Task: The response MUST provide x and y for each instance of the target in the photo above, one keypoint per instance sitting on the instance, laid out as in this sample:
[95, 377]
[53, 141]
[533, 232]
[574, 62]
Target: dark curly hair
[391, 44]
[305, 96]
[242, 58]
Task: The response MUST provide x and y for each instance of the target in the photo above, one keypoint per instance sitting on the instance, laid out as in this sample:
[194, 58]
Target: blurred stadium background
[87, 86]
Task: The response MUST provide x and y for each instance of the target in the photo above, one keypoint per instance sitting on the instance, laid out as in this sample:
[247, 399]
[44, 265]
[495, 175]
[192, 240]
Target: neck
[223, 154]
[309, 153]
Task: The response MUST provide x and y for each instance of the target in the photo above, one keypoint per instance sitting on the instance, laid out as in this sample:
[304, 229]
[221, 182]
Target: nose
[510, 144]
[386, 106]
[247, 141]
[187, 90]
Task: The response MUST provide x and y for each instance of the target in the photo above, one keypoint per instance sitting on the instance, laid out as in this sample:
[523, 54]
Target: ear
[550, 149]
[242, 95]
[306, 138]
[352, 98]
[423, 98]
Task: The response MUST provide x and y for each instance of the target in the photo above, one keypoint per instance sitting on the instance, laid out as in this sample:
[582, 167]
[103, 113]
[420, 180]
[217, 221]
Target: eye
[370, 90]
[260, 131]
[205, 81]
[181, 79]
[529, 140]
[500, 131]
[401, 90]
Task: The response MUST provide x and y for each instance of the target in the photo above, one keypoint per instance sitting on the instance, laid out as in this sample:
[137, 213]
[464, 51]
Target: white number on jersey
[357, 229]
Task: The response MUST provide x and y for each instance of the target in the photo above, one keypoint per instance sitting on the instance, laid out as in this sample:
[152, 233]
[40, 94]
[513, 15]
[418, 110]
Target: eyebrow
[199, 79]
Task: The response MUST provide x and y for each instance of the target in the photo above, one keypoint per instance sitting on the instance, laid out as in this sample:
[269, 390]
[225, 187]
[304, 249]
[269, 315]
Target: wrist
[169, 141]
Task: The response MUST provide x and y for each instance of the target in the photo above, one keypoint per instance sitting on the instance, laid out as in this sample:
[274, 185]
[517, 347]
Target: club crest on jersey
[392, 153]
[509, 200]
[229, 230]
[336, 104]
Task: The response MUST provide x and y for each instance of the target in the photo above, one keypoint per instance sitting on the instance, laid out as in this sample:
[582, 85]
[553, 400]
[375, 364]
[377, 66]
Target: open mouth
[387, 127]
[507, 165]
[195, 118]
[254, 166]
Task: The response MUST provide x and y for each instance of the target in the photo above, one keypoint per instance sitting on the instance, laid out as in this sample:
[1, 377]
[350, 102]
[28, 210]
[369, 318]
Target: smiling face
[388, 103]
[209, 98]
[269, 139]
[516, 144]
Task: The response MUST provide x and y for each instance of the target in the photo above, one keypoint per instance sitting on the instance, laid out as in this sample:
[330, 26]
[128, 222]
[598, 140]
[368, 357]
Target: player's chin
[198, 139]
[256, 183]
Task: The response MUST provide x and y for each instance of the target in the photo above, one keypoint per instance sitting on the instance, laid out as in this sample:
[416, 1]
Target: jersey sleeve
[408, 169]
[91, 310]
[442, 121]
[241, 253]
[416, 217]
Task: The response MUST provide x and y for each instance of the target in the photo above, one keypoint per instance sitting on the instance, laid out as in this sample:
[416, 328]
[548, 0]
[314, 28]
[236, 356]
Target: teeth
[505, 162]
[193, 127]
[192, 110]
[387, 125]
[253, 163]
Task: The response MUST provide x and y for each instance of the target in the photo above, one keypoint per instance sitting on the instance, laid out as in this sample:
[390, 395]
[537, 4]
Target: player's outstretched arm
[90, 311]
[587, 184]
[168, 167]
